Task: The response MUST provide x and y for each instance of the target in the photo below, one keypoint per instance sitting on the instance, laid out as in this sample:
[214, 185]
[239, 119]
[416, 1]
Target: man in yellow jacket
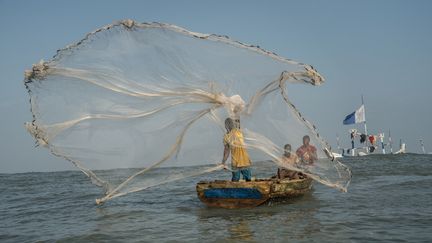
[234, 144]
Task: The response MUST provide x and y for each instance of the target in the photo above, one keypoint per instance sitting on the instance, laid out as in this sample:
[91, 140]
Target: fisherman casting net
[141, 96]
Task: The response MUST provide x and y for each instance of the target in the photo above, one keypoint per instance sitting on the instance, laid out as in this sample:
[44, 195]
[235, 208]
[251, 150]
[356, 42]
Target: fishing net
[135, 97]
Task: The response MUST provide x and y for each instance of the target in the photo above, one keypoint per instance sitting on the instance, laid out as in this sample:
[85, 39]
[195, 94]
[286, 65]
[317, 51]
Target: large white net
[138, 96]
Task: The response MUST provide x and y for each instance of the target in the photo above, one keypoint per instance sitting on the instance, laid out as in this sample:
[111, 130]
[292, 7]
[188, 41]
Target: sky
[379, 49]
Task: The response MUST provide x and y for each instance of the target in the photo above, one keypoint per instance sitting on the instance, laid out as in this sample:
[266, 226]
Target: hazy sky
[381, 49]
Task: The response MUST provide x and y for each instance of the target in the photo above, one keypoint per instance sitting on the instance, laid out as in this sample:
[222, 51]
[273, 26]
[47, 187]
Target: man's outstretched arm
[226, 153]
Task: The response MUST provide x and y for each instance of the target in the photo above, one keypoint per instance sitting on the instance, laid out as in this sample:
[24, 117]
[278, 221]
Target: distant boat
[228, 194]
[369, 143]
[362, 153]
[402, 149]
[337, 155]
[372, 149]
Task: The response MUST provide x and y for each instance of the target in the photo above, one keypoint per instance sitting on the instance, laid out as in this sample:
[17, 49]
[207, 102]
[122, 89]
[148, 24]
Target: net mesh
[138, 96]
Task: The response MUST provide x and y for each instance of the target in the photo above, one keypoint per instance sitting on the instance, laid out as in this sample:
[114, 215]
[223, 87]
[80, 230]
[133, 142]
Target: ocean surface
[389, 199]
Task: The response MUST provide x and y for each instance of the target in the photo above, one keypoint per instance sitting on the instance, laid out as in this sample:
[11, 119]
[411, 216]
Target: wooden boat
[227, 194]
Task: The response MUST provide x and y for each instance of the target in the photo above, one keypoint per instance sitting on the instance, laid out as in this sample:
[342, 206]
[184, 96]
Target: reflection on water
[240, 231]
[299, 218]
[293, 219]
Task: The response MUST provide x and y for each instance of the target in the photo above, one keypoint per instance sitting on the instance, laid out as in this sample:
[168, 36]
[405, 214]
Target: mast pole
[337, 141]
[390, 142]
[365, 127]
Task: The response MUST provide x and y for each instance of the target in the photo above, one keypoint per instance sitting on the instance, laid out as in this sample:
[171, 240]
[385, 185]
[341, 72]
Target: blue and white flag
[355, 117]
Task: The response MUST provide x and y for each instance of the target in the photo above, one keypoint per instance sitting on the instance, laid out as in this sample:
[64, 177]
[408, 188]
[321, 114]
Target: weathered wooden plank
[227, 194]
[233, 203]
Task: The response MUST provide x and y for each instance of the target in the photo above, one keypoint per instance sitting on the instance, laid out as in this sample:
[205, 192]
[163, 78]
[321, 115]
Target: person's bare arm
[314, 155]
[226, 153]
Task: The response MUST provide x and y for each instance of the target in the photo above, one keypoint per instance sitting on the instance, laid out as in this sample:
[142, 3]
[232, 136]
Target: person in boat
[307, 152]
[234, 145]
[290, 159]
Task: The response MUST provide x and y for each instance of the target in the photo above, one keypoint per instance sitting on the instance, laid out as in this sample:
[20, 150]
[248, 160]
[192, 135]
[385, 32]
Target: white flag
[360, 115]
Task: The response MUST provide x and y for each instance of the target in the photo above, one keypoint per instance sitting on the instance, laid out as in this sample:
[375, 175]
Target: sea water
[389, 199]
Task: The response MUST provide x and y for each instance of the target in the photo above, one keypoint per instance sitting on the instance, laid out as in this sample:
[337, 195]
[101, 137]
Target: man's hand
[224, 166]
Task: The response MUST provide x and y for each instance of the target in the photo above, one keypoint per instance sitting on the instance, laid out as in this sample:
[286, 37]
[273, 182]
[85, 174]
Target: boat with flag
[364, 143]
